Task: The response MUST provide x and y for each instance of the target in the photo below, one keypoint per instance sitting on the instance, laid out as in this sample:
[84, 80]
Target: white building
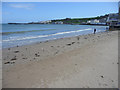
[95, 21]
[114, 18]
[45, 22]
[58, 22]
[103, 21]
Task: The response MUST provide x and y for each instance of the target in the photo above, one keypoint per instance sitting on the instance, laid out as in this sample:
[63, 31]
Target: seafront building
[93, 21]
[101, 21]
[58, 22]
[114, 19]
[45, 22]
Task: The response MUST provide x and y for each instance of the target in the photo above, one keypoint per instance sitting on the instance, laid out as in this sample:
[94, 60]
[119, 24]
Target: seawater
[13, 35]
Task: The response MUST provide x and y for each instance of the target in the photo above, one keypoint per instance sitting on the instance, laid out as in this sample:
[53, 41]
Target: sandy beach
[87, 61]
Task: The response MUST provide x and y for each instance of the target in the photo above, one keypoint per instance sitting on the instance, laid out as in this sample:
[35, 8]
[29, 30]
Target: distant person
[94, 31]
[107, 28]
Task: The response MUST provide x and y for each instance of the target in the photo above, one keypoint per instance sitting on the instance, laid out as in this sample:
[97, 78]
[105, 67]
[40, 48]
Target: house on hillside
[102, 21]
[45, 22]
[95, 21]
[58, 22]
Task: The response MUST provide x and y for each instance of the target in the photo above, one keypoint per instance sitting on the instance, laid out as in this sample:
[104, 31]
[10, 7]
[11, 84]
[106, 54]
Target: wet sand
[87, 61]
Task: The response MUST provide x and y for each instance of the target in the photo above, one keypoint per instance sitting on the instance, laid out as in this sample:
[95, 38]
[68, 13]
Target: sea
[18, 35]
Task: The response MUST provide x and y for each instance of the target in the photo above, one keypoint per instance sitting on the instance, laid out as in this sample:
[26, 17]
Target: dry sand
[88, 61]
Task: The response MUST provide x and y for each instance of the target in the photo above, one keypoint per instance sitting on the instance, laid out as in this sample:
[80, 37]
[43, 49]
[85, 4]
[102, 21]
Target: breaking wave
[41, 36]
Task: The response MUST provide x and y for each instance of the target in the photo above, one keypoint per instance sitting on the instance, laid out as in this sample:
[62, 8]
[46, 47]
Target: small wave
[71, 31]
[33, 37]
[19, 32]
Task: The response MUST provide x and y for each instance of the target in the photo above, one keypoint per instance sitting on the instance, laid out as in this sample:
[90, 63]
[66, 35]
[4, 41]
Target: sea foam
[42, 36]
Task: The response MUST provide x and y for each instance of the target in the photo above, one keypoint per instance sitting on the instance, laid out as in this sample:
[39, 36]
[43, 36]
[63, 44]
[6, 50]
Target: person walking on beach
[107, 28]
[94, 31]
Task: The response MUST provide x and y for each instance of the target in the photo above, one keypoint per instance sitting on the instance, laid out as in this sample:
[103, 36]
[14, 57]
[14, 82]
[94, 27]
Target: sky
[41, 11]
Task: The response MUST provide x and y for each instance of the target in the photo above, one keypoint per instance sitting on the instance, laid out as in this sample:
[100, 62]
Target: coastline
[43, 33]
[66, 62]
[56, 24]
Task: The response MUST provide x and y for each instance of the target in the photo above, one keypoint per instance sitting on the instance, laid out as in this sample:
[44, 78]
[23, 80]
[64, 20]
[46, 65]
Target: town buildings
[114, 19]
[93, 21]
[58, 22]
[101, 21]
[45, 22]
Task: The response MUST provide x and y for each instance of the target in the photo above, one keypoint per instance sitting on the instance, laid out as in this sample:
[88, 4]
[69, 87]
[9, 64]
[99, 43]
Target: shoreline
[90, 59]
[54, 39]
[32, 36]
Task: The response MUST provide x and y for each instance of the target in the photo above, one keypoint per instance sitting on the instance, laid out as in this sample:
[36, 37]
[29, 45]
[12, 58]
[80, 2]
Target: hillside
[78, 20]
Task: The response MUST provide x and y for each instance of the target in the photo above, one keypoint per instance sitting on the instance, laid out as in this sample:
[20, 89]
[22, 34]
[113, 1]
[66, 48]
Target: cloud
[24, 6]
